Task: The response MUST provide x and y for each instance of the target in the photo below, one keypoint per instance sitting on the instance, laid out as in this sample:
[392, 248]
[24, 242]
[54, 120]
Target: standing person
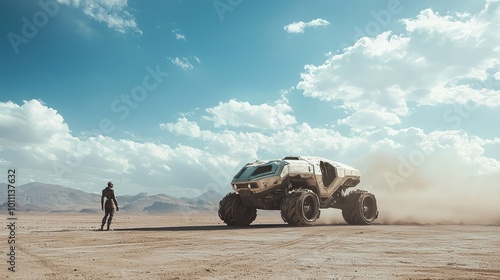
[108, 207]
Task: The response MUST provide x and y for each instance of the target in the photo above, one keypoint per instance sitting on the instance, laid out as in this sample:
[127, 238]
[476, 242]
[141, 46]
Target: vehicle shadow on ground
[216, 227]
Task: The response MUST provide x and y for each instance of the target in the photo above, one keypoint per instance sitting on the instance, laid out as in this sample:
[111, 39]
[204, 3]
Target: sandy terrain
[199, 246]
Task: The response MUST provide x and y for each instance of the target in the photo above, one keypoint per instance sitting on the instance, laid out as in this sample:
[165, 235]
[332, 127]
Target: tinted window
[262, 169]
[328, 173]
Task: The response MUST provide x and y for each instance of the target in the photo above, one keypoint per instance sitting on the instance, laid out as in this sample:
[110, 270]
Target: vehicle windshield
[255, 171]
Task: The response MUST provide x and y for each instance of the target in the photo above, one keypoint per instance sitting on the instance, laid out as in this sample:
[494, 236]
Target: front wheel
[360, 208]
[234, 213]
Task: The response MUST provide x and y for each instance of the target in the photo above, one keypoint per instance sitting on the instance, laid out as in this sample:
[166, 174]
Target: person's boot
[102, 227]
[108, 227]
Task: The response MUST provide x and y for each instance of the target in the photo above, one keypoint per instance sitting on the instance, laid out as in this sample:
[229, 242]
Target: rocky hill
[47, 197]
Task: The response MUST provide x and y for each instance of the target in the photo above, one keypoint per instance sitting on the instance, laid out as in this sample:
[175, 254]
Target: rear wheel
[234, 213]
[302, 208]
[360, 208]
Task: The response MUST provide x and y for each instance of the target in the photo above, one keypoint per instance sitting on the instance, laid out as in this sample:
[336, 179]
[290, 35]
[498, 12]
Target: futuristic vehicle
[299, 187]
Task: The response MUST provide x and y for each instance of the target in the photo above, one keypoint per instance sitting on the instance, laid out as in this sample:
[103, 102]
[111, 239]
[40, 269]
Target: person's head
[110, 184]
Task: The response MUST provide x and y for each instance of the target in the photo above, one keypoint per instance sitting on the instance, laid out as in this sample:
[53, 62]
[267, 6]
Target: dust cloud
[431, 190]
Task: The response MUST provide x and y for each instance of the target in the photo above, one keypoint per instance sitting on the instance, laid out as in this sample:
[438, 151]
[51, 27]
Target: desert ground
[200, 246]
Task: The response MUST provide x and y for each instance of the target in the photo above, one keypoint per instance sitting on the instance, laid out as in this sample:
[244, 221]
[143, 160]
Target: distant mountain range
[54, 198]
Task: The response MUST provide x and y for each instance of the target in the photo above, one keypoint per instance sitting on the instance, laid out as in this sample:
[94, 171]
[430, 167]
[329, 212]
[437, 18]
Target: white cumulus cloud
[449, 59]
[112, 12]
[443, 169]
[38, 143]
[30, 123]
[183, 127]
[243, 114]
[179, 35]
[300, 26]
[183, 62]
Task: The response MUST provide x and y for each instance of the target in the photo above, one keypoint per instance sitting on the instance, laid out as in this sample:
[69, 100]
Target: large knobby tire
[226, 208]
[283, 210]
[360, 208]
[234, 213]
[302, 208]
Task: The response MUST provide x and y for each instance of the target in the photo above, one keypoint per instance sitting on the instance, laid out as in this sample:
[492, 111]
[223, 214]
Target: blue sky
[246, 56]
[354, 81]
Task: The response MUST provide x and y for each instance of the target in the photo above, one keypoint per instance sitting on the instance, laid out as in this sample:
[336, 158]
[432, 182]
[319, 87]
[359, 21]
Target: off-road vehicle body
[298, 187]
